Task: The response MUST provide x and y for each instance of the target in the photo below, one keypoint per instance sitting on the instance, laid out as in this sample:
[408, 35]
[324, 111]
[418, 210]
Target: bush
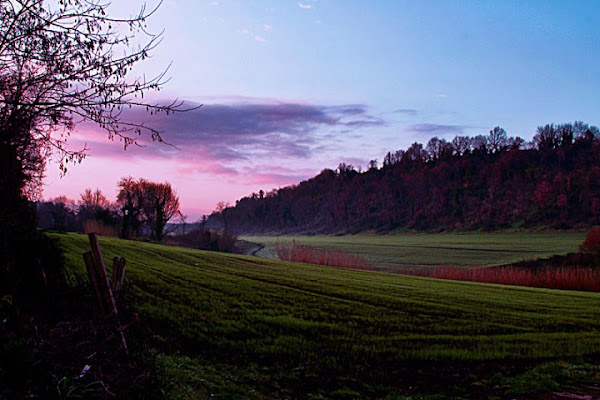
[204, 239]
[591, 244]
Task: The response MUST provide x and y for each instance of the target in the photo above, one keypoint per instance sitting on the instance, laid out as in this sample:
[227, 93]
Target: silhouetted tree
[94, 198]
[221, 209]
[497, 139]
[461, 144]
[130, 202]
[62, 213]
[515, 143]
[415, 153]
[581, 130]
[565, 134]
[160, 203]
[546, 137]
[480, 143]
[391, 159]
[94, 209]
[438, 149]
[146, 204]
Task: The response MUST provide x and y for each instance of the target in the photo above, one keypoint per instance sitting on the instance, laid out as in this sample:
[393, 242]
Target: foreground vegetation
[230, 326]
[412, 251]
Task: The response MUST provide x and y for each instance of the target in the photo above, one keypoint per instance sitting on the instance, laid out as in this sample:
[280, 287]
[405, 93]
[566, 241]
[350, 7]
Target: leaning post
[101, 278]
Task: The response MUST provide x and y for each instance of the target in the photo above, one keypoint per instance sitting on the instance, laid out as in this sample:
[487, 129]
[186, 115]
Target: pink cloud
[267, 174]
[276, 179]
[207, 167]
[233, 132]
[217, 152]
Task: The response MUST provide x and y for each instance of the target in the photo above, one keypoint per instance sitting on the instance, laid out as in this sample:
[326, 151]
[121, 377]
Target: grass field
[397, 252]
[238, 327]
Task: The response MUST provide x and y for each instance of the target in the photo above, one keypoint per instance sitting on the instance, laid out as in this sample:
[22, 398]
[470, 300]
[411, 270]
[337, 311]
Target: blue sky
[292, 87]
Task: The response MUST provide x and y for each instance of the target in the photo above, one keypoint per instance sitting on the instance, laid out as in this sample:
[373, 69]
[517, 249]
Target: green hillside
[245, 327]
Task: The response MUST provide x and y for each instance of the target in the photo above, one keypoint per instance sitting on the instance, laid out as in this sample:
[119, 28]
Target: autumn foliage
[591, 243]
[310, 255]
[483, 182]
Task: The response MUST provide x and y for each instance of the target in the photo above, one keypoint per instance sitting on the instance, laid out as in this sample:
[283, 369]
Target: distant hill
[484, 182]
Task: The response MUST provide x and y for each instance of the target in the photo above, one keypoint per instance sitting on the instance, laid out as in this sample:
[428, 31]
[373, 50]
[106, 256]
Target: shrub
[204, 239]
[591, 244]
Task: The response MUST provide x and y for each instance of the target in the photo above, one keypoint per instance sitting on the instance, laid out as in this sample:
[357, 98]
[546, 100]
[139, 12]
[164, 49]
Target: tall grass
[302, 253]
[97, 227]
[567, 278]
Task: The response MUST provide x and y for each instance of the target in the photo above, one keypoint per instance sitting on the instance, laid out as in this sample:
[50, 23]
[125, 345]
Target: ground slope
[256, 328]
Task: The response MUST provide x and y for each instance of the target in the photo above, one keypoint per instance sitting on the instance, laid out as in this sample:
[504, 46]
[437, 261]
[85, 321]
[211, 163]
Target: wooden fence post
[91, 270]
[100, 276]
[118, 276]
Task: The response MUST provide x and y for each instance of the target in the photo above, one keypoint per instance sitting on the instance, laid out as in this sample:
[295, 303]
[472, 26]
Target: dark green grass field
[409, 251]
[244, 327]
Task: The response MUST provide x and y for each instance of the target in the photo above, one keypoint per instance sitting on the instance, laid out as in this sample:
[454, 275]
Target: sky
[289, 88]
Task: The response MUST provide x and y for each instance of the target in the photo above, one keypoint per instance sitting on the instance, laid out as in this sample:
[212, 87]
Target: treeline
[141, 209]
[484, 182]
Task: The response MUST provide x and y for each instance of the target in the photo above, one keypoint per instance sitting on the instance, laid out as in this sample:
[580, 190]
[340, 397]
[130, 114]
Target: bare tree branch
[70, 62]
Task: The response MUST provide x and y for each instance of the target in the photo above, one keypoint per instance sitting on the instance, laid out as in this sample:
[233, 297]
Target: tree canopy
[146, 204]
[483, 182]
[63, 63]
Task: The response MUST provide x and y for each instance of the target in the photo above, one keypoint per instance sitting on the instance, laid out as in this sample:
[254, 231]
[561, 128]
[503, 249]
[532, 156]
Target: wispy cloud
[227, 136]
[305, 5]
[268, 174]
[207, 168]
[258, 38]
[230, 147]
[406, 111]
[437, 129]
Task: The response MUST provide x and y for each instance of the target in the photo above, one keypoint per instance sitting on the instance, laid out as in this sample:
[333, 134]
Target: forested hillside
[483, 182]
